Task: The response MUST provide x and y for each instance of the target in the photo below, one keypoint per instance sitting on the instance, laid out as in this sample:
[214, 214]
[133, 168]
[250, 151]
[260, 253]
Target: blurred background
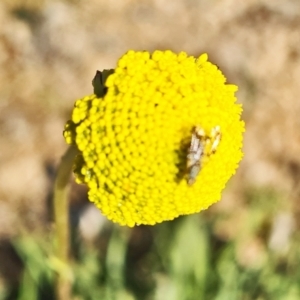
[245, 247]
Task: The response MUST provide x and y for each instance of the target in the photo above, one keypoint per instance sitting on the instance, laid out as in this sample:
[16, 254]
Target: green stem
[61, 219]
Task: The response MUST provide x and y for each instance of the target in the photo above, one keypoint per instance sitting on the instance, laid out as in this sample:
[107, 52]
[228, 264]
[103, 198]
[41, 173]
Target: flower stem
[61, 219]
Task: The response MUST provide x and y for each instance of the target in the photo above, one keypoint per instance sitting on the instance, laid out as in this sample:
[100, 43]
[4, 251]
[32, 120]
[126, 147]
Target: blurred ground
[50, 50]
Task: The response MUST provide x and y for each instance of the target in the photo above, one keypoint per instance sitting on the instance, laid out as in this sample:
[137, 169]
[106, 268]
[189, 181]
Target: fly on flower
[195, 154]
[201, 145]
[216, 138]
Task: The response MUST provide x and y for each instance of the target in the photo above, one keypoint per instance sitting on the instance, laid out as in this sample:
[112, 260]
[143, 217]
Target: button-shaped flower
[163, 140]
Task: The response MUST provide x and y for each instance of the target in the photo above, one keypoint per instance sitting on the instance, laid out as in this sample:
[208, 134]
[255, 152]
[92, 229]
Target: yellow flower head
[163, 140]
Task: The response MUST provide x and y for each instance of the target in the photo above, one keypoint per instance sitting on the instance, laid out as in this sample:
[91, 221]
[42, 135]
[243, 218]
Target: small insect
[216, 138]
[195, 154]
[202, 145]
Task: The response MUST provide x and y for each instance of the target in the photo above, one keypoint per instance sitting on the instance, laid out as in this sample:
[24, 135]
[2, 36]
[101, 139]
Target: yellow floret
[134, 141]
